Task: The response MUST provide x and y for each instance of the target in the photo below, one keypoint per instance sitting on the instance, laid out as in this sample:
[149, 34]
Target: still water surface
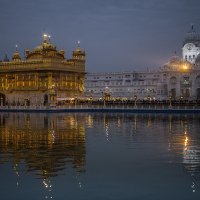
[99, 156]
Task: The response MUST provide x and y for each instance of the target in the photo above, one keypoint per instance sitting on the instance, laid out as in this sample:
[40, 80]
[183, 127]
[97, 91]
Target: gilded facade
[43, 77]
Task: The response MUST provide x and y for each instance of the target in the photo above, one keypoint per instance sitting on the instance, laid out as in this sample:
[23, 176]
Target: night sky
[118, 35]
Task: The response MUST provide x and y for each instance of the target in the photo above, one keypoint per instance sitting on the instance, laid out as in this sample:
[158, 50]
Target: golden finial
[49, 36]
[78, 43]
[45, 37]
[16, 47]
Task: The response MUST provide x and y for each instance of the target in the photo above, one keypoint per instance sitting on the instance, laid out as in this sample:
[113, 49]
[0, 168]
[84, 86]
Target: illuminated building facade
[42, 77]
[178, 79]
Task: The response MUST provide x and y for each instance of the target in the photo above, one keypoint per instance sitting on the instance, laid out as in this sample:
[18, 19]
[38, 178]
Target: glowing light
[185, 132]
[193, 187]
[186, 141]
[45, 184]
[90, 121]
[185, 67]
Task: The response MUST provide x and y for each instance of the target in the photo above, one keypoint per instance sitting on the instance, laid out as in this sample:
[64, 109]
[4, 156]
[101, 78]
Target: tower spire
[192, 27]
[6, 59]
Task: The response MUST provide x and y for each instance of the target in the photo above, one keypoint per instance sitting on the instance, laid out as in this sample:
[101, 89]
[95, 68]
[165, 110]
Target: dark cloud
[117, 34]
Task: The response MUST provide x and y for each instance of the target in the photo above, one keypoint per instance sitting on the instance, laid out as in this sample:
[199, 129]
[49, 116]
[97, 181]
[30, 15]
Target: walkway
[91, 108]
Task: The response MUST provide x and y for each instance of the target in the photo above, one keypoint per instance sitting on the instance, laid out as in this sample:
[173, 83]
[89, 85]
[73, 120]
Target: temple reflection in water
[50, 143]
[47, 144]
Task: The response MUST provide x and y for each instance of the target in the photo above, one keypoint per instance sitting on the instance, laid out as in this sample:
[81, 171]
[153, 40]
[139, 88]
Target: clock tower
[191, 46]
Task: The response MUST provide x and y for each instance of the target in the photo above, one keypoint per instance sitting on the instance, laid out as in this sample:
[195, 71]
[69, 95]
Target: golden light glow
[185, 67]
[90, 121]
[186, 142]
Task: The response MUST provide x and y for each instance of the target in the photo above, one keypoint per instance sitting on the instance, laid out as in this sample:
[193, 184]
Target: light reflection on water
[52, 152]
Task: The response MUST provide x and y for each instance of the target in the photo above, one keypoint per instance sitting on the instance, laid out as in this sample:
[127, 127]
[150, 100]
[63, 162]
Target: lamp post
[149, 99]
[170, 101]
[135, 100]
[75, 100]
[52, 95]
[104, 99]
[180, 101]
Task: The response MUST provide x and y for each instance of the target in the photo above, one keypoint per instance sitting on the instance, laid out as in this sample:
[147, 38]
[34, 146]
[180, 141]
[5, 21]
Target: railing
[91, 106]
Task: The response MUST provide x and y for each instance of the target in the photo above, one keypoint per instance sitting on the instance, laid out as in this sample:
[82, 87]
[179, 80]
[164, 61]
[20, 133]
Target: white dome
[192, 37]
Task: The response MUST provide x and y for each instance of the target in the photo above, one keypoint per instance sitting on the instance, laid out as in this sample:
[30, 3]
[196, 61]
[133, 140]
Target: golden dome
[177, 64]
[45, 50]
[78, 51]
[16, 56]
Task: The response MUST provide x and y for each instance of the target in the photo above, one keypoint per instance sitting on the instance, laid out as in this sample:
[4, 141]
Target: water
[99, 156]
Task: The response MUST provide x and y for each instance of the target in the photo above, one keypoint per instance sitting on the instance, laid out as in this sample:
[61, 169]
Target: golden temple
[44, 76]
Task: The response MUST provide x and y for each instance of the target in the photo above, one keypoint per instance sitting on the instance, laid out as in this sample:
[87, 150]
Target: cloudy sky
[117, 35]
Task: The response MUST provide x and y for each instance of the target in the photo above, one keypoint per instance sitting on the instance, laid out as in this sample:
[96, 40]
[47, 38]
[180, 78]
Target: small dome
[16, 56]
[177, 64]
[78, 50]
[44, 46]
[175, 59]
[62, 52]
[192, 37]
[38, 48]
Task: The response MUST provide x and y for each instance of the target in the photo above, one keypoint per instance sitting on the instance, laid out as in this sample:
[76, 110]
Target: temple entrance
[27, 102]
[173, 93]
[45, 99]
[185, 93]
[198, 93]
[2, 99]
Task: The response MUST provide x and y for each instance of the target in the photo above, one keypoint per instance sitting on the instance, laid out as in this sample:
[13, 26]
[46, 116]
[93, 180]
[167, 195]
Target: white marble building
[179, 78]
